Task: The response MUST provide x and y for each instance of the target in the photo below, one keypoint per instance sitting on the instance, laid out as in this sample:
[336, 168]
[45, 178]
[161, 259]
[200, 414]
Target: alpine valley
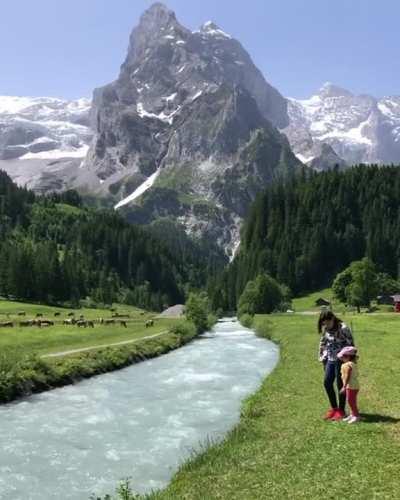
[190, 131]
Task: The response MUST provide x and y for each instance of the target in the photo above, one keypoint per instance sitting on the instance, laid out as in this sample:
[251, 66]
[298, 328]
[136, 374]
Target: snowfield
[360, 129]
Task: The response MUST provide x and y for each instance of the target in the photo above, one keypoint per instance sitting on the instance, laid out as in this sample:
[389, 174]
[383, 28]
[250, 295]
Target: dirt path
[95, 347]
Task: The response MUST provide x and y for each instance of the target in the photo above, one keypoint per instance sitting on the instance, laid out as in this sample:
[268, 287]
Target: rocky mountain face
[188, 130]
[40, 136]
[358, 129]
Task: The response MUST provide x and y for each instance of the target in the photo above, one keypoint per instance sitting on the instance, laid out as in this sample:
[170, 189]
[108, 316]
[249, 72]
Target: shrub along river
[140, 422]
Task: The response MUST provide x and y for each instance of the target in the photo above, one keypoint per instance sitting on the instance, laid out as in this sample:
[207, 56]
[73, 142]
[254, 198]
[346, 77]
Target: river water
[140, 422]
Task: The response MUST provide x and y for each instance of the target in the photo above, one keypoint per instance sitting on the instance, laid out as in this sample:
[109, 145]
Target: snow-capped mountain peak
[329, 89]
[211, 29]
[359, 129]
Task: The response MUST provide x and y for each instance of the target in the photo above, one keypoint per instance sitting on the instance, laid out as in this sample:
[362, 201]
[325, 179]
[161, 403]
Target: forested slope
[52, 249]
[304, 231]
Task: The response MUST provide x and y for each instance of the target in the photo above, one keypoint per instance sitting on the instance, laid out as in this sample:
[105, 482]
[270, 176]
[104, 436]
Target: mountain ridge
[359, 128]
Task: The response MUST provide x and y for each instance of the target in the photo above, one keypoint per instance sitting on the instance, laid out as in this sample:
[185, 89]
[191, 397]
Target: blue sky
[65, 48]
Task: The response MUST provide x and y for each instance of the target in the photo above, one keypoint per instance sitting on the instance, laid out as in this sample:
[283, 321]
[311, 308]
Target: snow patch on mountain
[147, 184]
[56, 154]
[211, 29]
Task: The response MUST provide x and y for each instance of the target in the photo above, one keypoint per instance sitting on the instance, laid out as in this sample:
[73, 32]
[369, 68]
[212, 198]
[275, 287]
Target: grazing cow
[142, 313]
[90, 324]
[149, 323]
[39, 315]
[71, 314]
[119, 315]
[109, 321]
[81, 322]
[71, 321]
[25, 323]
[5, 324]
[22, 313]
[46, 322]
[123, 323]
[56, 314]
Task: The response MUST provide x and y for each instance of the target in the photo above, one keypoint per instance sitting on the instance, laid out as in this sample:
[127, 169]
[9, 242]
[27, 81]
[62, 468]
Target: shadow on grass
[373, 418]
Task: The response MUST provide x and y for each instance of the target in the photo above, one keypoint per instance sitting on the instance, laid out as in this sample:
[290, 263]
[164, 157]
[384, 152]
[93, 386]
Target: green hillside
[55, 250]
[306, 230]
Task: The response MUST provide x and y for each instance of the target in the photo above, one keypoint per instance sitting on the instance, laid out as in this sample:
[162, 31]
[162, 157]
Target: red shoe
[330, 413]
[338, 415]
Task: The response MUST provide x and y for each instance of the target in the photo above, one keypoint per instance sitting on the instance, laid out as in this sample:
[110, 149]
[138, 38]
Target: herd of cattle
[39, 321]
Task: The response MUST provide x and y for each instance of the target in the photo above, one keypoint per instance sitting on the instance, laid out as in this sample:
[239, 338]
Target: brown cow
[57, 314]
[5, 324]
[71, 314]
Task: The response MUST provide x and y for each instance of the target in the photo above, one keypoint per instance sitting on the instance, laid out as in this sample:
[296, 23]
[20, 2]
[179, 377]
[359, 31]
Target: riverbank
[24, 375]
[283, 449]
[139, 422]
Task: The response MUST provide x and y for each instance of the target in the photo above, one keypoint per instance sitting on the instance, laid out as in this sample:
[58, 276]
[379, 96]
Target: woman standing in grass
[335, 335]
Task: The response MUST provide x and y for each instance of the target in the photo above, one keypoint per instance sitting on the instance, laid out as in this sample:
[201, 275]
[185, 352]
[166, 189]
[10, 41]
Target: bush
[211, 320]
[185, 331]
[198, 310]
[264, 295]
[246, 320]
[360, 283]
[124, 492]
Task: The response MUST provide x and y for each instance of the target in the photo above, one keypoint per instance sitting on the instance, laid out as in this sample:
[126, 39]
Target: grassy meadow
[51, 339]
[307, 303]
[24, 367]
[282, 448]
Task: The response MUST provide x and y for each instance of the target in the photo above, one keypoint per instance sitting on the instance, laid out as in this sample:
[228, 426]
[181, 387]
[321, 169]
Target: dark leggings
[332, 372]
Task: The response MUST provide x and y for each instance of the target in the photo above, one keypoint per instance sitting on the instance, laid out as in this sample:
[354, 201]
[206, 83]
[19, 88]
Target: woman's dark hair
[328, 316]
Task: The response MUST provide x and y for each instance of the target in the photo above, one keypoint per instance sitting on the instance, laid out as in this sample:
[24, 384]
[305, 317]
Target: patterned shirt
[332, 342]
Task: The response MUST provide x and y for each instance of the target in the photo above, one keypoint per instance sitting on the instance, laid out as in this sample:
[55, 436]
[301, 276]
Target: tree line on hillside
[305, 230]
[52, 249]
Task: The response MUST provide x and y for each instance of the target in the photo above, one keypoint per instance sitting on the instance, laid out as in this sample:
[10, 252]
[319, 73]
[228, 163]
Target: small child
[349, 373]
